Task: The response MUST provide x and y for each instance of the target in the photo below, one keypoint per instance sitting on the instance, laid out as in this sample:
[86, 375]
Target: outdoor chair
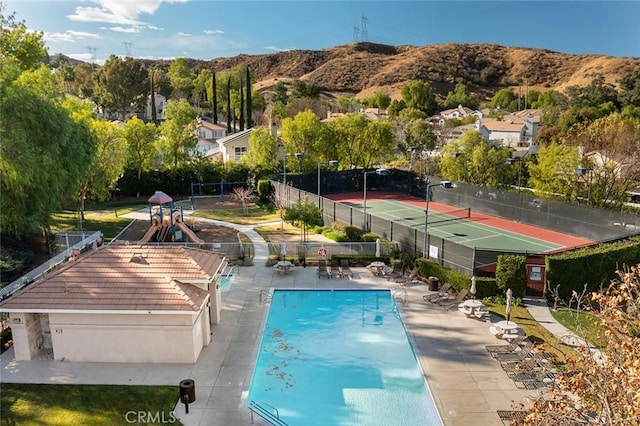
[411, 278]
[323, 271]
[335, 270]
[520, 340]
[345, 269]
[393, 274]
[443, 292]
[450, 304]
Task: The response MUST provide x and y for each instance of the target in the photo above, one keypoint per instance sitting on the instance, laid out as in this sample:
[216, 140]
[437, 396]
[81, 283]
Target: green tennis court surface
[456, 227]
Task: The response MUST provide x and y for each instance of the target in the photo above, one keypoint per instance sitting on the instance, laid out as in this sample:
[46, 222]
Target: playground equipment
[214, 188]
[166, 221]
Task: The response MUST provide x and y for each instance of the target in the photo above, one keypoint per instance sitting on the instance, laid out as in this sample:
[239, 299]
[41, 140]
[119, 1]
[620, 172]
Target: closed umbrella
[508, 309]
[283, 249]
[377, 247]
[473, 290]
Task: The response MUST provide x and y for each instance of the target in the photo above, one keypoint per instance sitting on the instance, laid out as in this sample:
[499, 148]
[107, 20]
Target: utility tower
[127, 47]
[92, 51]
[356, 33]
[365, 31]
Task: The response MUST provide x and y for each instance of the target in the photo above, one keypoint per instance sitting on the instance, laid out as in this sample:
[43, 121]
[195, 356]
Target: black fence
[598, 224]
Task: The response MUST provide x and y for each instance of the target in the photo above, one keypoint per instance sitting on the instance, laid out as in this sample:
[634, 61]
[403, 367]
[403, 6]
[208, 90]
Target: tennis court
[468, 228]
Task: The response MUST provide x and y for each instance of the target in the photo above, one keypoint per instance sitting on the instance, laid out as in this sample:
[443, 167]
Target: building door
[535, 280]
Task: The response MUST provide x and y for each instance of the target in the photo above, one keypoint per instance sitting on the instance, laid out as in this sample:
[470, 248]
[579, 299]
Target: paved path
[468, 385]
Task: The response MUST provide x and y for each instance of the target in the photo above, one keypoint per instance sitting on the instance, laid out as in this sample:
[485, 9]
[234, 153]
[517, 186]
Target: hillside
[361, 69]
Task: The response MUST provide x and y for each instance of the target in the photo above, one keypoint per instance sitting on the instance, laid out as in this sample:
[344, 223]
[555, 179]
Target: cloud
[213, 32]
[278, 49]
[181, 34]
[125, 30]
[121, 12]
[70, 36]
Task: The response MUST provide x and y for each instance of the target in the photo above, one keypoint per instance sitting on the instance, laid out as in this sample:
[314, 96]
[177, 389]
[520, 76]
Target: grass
[31, 404]
[583, 324]
[253, 216]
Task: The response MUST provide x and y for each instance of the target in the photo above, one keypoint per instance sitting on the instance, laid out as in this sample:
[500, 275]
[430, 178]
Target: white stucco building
[152, 304]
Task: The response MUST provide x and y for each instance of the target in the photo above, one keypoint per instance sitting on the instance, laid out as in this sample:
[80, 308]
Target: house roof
[204, 123]
[235, 137]
[133, 278]
[502, 125]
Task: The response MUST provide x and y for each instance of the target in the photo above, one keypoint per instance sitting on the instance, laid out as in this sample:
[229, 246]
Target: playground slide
[189, 233]
[150, 233]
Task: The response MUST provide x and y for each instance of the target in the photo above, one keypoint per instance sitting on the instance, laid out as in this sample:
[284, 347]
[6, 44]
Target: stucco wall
[154, 338]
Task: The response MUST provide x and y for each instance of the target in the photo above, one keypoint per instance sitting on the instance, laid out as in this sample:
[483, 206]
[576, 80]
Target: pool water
[225, 282]
[340, 357]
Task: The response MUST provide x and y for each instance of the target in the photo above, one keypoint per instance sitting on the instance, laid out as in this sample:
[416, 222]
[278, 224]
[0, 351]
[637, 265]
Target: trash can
[187, 391]
[433, 283]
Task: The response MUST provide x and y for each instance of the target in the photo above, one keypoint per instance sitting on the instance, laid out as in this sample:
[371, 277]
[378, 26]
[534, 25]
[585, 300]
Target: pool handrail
[261, 408]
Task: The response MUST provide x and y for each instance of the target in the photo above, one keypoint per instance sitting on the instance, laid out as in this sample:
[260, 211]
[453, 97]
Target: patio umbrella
[377, 247]
[473, 288]
[283, 249]
[508, 309]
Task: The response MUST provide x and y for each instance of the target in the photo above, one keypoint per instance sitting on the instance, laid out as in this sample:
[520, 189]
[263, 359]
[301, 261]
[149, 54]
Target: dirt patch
[214, 203]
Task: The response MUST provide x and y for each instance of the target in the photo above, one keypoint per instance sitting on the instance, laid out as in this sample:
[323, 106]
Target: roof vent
[138, 258]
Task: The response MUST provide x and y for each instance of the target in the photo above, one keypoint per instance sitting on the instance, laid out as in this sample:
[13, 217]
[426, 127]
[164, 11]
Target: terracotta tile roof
[147, 278]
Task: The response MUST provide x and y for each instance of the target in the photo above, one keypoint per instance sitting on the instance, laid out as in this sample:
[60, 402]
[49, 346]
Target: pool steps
[266, 411]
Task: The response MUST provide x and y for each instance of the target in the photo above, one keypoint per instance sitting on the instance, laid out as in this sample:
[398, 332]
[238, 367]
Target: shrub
[352, 233]
[369, 237]
[511, 273]
[335, 236]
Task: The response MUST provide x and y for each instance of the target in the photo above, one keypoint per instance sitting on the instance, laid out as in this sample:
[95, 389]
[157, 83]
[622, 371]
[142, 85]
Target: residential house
[161, 105]
[151, 304]
[230, 148]
[513, 130]
[208, 135]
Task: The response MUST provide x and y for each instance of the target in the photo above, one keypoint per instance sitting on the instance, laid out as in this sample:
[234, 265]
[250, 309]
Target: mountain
[362, 69]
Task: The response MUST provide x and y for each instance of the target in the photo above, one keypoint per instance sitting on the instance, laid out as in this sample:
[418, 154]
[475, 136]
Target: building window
[240, 151]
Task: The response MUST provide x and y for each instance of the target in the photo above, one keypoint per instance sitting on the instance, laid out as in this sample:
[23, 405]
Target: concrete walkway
[468, 385]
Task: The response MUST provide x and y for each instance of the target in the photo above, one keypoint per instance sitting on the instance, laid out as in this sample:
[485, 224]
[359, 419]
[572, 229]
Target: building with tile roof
[120, 304]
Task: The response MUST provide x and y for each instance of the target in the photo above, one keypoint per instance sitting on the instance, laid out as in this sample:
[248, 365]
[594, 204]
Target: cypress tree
[249, 101]
[154, 112]
[215, 98]
[229, 113]
[241, 107]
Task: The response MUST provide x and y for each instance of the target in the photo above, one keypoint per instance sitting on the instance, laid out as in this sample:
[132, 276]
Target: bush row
[485, 286]
[594, 266]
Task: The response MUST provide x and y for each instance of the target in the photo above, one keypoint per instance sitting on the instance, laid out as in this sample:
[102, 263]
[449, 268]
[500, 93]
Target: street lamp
[444, 184]
[513, 161]
[464, 170]
[581, 171]
[332, 163]
[381, 172]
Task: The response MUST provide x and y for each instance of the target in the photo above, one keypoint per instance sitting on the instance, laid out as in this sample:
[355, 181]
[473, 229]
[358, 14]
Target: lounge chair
[323, 271]
[345, 269]
[393, 274]
[335, 270]
[454, 302]
[509, 347]
[443, 292]
[413, 277]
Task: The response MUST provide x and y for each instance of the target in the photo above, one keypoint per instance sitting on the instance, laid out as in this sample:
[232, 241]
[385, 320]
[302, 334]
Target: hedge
[594, 266]
[485, 286]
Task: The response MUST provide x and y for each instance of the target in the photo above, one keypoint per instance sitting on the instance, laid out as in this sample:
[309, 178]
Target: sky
[92, 30]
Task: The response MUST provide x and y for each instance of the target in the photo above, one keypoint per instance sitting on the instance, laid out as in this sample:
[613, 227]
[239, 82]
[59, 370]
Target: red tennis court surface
[567, 241]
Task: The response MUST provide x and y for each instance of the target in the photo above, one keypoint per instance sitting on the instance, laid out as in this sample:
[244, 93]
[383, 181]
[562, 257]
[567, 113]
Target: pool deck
[468, 385]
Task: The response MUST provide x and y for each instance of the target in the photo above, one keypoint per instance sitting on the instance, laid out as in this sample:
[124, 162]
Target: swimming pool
[339, 357]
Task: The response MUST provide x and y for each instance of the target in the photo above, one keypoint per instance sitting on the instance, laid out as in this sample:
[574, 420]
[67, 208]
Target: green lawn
[105, 218]
[44, 405]
[583, 324]
[253, 215]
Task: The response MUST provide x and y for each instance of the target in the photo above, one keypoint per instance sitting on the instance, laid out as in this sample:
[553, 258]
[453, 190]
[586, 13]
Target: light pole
[444, 184]
[332, 163]
[464, 170]
[380, 172]
[581, 171]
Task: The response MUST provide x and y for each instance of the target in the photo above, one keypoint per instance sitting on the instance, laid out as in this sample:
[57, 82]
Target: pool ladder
[401, 295]
[265, 297]
[266, 411]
